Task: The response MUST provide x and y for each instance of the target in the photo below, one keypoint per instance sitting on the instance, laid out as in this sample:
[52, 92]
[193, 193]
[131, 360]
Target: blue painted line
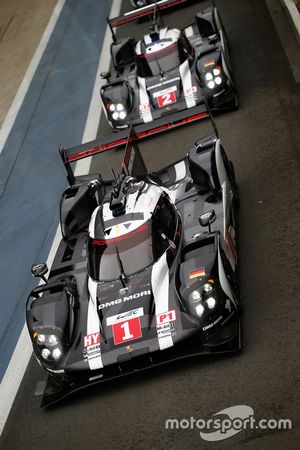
[54, 111]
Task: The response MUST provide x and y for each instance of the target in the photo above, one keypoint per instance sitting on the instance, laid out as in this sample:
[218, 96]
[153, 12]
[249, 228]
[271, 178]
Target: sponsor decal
[190, 90]
[124, 299]
[138, 312]
[120, 237]
[166, 330]
[91, 339]
[207, 327]
[165, 91]
[197, 273]
[154, 86]
[127, 331]
[166, 317]
[144, 106]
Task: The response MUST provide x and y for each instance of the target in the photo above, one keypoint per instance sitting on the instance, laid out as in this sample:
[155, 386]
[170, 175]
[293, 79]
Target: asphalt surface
[262, 138]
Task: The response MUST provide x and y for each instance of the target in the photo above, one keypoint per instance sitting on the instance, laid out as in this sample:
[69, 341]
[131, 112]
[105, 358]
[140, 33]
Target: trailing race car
[145, 272]
[169, 73]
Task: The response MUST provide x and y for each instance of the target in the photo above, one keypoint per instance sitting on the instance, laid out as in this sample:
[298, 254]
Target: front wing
[141, 360]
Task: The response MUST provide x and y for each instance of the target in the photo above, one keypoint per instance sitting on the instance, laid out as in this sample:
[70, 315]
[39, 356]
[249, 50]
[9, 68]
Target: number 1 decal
[127, 335]
[127, 331]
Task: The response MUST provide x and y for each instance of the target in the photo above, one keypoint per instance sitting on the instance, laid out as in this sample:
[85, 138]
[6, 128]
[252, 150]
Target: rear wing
[133, 164]
[120, 139]
[144, 11]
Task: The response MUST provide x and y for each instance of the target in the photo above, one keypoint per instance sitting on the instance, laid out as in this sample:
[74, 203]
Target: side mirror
[105, 75]
[39, 271]
[207, 219]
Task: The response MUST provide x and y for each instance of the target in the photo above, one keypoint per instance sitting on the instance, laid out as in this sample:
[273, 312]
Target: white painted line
[22, 353]
[23, 88]
[294, 15]
[95, 109]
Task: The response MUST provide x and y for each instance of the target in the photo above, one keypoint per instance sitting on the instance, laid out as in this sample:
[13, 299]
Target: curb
[294, 16]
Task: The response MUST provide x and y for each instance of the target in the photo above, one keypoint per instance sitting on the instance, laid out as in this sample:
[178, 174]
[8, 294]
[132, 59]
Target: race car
[161, 4]
[145, 272]
[168, 72]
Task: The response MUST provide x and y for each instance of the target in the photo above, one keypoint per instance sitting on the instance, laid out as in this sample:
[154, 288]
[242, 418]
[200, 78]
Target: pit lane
[262, 139]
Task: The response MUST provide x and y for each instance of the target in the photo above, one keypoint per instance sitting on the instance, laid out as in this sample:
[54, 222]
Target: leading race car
[145, 272]
[143, 5]
[170, 72]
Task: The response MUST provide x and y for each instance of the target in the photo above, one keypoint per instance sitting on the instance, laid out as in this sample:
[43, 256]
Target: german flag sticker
[197, 273]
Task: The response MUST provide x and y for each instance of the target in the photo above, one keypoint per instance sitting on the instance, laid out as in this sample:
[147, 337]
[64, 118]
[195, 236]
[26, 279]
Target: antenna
[154, 23]
[212, 119]
[114, 175]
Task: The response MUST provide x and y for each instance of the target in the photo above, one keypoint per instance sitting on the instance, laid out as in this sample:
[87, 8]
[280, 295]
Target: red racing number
[127, 331]
[166, 99]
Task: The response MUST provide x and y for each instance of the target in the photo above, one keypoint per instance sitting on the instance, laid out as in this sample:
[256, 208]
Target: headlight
[208, 76]
[203, 299]
[52, 340]
[49, 346]
[138, 3]
[214, 78]
[46, 353]
[207, 287]
[211, 302]
[57, 353]
[118, 111]
[41, 338]
[195, 296]
[199, 310]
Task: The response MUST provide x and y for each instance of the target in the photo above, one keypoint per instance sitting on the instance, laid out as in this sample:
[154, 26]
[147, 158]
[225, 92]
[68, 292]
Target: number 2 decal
[127, 331]
[166, 99]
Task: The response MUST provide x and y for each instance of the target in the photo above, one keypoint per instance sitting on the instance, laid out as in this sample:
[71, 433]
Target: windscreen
[152, 64]
[133, 252]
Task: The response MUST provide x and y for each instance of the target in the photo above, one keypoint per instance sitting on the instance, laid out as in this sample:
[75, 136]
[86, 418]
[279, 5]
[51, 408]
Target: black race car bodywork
[145, 272]
[168, 72]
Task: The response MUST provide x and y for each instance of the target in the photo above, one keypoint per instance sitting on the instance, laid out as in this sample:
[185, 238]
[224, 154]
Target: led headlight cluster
[50, 346]
[213, 78]
[204, 300]
[138, 3]
[118, 111]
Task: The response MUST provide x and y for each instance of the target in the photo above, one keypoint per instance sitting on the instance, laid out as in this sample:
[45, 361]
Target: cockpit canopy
[161, 52]
[135, 250]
